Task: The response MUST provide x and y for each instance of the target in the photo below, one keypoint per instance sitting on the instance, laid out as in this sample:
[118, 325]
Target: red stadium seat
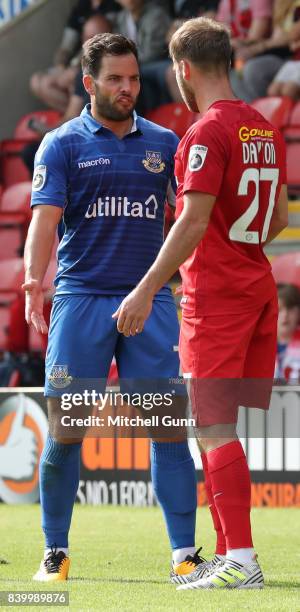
[16, 199]
[286, 268]
[12, 167]
[276, 109]
[292, 131]
[173, 116]
[49, 117]
[11, 275]
[15, 215]
[293, 167]
[11, 278]
[4, 324]
[12, 237]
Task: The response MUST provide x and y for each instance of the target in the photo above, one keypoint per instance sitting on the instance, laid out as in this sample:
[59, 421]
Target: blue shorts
[83, 338]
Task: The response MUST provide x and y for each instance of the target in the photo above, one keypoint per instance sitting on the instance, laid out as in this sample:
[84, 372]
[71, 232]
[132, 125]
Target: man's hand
[34, 302]
[18, 455]
[133, 312]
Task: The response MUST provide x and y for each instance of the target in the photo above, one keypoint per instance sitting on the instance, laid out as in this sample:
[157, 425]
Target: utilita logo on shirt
[122, 207]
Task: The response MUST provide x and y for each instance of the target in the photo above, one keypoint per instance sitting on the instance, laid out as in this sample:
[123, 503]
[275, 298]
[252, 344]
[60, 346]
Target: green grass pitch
[120, 560]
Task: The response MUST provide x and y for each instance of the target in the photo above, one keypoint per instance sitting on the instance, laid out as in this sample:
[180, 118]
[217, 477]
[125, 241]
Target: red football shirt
[236, 155]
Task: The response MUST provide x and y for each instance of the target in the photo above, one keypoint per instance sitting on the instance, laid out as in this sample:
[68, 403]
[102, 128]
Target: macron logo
[101, 161]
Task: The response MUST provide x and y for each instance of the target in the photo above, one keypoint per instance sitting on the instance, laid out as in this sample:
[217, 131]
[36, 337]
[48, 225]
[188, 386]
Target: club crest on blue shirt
[59, 377]
[153, 162]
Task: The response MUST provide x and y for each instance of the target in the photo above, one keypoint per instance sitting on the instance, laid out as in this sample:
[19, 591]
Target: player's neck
[119, 128]
[211, 91]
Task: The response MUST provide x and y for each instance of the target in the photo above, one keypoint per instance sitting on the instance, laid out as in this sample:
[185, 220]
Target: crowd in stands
[265, 38]
[288, 334]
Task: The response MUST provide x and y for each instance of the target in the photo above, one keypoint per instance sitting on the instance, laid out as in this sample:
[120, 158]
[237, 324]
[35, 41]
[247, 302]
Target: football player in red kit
[231, 201]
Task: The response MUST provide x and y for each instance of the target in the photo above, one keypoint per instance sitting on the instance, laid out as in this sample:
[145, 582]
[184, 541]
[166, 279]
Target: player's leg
[191, 344]
[59, 478]
[255, 390]
[80, 349]
[151, 355]
[226, 460]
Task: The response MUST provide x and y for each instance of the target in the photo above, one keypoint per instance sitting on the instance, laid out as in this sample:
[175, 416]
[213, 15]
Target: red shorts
[230, 362]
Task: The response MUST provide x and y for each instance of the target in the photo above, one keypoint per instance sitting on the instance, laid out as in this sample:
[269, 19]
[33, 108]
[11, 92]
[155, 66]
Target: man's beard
[187, 94]
[110, 111]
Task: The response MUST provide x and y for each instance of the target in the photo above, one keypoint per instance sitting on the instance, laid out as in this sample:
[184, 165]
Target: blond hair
[204, 42]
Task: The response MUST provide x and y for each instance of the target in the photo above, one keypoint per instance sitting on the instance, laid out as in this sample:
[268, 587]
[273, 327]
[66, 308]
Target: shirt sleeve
[205, 157]
[50, 179]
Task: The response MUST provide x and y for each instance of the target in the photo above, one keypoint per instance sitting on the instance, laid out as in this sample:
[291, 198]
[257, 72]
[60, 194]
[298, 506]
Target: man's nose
[126, 86]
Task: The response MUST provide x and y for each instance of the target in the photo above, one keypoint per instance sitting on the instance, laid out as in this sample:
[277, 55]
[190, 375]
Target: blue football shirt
[113, 193]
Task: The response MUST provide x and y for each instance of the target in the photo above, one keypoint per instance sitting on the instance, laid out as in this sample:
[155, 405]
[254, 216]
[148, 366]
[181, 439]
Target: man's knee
[214, 436]
[55, 425]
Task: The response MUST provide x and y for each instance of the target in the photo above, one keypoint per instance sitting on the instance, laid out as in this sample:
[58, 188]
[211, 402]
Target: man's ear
[88, 83]
[185, 69]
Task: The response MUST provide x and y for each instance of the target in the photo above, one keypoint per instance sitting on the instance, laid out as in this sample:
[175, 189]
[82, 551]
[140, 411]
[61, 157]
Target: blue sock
[174, 483]
[59, 478]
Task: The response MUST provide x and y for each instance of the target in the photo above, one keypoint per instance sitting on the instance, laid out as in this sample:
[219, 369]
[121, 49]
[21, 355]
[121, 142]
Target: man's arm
[280, 215]
[38, 248]
[259, 29]
[184, 236]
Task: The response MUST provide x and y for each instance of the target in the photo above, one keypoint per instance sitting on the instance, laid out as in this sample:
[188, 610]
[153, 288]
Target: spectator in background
[146, 23]
[248, 20]
[185, 9]
[263, 59]
[53, 86]
[78, 98]
[162, 82]
[288, 334]
[287, 79]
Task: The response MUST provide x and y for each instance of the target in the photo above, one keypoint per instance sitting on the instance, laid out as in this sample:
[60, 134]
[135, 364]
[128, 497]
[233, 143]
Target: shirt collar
[94, 126]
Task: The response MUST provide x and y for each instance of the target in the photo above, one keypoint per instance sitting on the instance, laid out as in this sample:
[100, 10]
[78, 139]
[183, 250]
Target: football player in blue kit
[106, 175]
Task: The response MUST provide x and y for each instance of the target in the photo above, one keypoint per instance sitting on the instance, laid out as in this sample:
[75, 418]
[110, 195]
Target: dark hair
[204, 42]
[100, 45]
[289, 295]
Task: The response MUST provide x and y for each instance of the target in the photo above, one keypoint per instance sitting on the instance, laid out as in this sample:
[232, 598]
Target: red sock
[221, 542]
[231, 488]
